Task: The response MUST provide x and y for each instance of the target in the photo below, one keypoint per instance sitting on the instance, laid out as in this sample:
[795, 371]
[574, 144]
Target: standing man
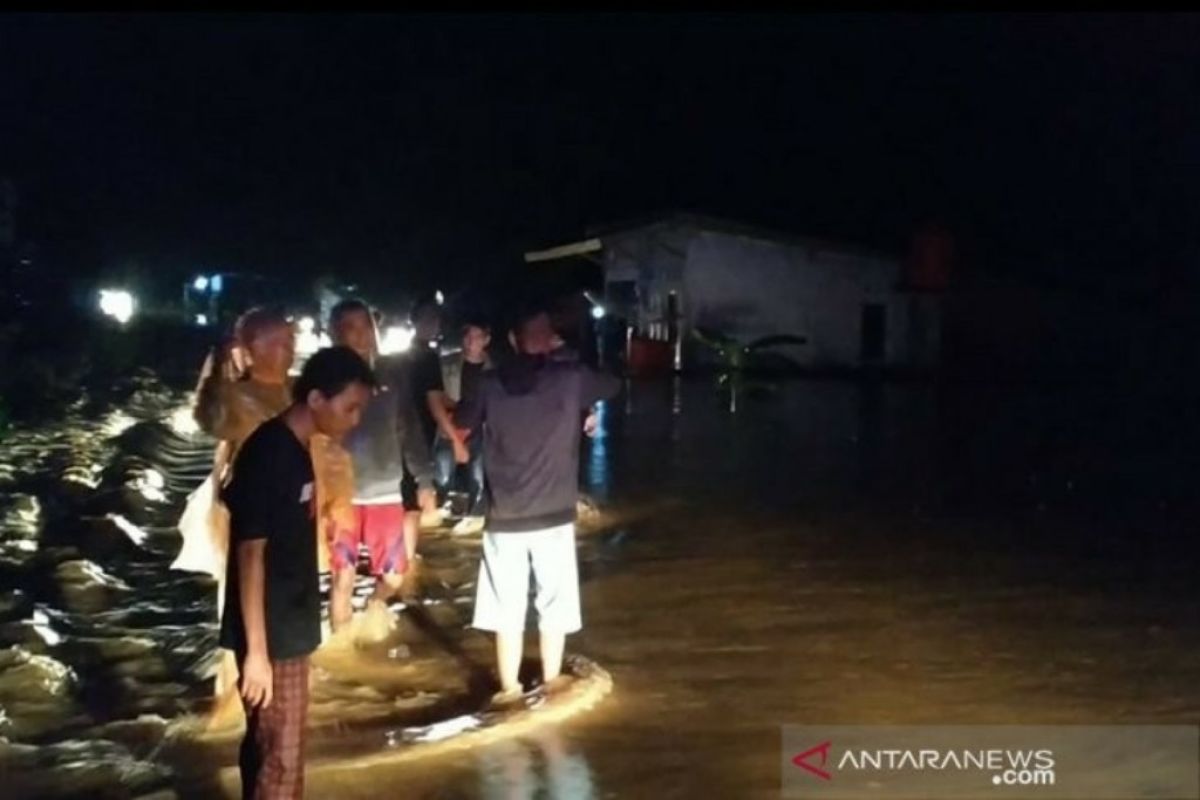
[272, 617]
[387, 444]
[429, 391]
[461, 374]
[530, 410]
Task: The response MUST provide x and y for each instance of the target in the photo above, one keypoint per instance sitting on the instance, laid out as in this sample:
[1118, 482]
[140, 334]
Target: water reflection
[870, 436]
[597, 473]
[543, 765]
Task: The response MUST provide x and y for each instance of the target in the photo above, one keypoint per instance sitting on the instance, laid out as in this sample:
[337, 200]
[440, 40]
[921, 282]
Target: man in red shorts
[385, 447]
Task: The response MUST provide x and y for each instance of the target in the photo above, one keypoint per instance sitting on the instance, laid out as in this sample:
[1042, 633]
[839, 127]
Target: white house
[668, 276]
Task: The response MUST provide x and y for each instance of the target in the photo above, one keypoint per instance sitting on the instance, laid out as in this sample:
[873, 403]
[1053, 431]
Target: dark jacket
[388, 437]
[531, 413]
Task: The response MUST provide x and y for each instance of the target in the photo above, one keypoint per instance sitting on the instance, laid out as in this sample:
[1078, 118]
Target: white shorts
[502, 592]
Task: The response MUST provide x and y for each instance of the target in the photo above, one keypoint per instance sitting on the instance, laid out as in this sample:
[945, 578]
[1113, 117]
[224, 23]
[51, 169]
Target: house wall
[750, 288]
[653, 259]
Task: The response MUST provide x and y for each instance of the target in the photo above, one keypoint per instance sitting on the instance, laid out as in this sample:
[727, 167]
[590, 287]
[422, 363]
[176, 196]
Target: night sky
[437, 148]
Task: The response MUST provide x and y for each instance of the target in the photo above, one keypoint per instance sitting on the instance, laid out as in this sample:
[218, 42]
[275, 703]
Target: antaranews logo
[1007, 767]
[1005, 762]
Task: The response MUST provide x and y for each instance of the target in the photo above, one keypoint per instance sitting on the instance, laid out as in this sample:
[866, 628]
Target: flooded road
[834, 552]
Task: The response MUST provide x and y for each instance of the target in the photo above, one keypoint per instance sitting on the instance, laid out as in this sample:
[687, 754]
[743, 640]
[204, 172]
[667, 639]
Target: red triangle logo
[823, 751]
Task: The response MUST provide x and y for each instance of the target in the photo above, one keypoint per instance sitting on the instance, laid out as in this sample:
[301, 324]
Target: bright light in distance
[118, 304]
[200, 284]
[441, 298]
[308, 341]
[396, 339]
[215, 283]
[598, 311]
[202, 319]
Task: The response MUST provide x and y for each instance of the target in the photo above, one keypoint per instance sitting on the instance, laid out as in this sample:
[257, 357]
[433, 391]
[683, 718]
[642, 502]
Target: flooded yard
[834, 552]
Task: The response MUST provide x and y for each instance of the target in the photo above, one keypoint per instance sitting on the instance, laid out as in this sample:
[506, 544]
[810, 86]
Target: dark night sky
[433, 146]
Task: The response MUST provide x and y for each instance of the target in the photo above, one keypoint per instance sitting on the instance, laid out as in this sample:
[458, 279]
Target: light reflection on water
[597, 474]
[539, 766]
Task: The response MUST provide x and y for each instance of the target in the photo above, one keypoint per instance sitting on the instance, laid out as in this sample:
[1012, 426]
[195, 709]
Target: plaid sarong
[272, 752]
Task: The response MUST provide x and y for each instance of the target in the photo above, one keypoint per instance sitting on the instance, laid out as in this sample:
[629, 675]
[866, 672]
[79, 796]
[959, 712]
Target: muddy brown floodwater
[834, 552]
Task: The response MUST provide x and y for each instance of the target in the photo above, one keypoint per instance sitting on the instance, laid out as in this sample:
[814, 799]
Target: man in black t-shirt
[272, 617]
[429, 393]
[462, 373]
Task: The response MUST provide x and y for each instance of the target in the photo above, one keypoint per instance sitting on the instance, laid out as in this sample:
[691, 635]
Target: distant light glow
[215, 284]
[200, 284]
[202, 319]
[441, 298]
[118, 304]
[396, 339]
[308, 341]
[598, 311]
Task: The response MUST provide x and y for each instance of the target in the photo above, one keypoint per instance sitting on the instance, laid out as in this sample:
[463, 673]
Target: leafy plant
[736, 358]
[735, 355]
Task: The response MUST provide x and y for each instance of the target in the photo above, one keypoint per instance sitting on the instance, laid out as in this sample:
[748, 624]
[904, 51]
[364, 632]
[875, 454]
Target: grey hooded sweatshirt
[531, 413]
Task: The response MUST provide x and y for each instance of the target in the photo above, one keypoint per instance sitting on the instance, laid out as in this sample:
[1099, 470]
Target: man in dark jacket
[529, 411]
[387, 447]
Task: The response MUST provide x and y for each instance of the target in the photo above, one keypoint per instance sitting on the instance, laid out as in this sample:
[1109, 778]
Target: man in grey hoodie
[529, 411]
[390, 455]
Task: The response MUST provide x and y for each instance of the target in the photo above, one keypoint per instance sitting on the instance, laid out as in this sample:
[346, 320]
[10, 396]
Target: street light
[118, 304]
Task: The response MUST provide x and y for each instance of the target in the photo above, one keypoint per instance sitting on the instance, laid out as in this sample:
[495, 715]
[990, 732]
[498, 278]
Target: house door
[874, 331]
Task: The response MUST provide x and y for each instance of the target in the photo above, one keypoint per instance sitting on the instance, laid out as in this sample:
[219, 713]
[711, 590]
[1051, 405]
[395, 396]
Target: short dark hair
[527, 311]
[477, 322]
[348, 306]
[330, 370]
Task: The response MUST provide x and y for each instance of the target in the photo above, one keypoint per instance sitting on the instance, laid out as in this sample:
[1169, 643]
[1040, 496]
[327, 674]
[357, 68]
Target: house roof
[680, 219]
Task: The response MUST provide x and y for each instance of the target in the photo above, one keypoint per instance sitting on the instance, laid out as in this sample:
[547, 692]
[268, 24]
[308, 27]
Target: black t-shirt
[471, 373]
[272, 497]
[427, 377]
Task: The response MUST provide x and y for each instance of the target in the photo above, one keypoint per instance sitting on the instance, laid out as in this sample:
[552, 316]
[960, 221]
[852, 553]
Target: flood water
[833, 552]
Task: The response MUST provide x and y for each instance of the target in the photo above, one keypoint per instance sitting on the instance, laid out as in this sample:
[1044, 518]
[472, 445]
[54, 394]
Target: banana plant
[735, 358]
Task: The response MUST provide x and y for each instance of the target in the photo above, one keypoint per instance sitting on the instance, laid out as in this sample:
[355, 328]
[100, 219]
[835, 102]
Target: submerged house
[853, 307]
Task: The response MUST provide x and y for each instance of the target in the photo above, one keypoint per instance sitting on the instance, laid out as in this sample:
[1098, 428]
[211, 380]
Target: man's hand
[591, 424]
[461, 454]
[464, 434]
[427, 500]
[257, 684]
